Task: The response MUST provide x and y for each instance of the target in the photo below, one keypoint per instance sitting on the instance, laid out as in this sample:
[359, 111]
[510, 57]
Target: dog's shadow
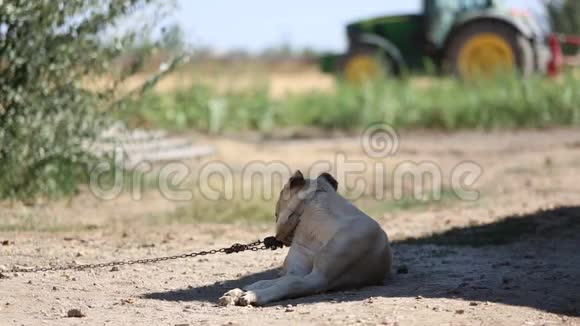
[526, 260]
[212, 292]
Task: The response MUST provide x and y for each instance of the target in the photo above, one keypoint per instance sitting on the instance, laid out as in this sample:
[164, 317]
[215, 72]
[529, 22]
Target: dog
[333, 245]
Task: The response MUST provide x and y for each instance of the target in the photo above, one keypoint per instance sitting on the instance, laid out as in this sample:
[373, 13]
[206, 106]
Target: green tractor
[468, 38]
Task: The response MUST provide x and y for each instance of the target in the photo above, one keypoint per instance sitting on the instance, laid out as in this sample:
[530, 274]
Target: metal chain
[268, 244]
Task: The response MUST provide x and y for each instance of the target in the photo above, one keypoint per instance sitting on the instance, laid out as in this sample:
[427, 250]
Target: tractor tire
[364, 64]
[489, 47]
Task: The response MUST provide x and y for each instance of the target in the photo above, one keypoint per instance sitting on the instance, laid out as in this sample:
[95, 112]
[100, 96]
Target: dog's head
[291, 201]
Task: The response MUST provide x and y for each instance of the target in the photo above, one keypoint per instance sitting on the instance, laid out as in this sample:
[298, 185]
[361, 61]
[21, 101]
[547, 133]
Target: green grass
[37, 223]
[447, 104]
[229, 211]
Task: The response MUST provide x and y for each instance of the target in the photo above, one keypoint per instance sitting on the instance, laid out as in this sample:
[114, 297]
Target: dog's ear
[297, 180]
[330, 179]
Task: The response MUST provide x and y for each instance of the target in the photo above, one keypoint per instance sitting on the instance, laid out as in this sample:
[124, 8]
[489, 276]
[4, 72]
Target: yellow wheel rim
[486, 55]
[363, 67]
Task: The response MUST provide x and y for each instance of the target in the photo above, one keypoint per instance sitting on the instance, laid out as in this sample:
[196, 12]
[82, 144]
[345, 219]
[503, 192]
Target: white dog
[333, 245]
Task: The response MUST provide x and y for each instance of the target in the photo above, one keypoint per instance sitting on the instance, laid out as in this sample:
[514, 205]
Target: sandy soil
[297, 79]
[531, 278]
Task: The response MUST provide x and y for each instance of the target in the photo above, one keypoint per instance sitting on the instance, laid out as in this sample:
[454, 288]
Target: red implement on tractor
[559, 60]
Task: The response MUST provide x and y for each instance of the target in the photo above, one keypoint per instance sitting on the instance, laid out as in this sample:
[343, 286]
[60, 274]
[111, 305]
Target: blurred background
[168, 81]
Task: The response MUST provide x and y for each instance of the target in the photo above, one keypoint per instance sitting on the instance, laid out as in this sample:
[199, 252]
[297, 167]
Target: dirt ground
[282, 80]
[509, 258]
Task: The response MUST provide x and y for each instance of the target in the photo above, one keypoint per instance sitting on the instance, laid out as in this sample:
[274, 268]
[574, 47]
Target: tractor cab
[441, 15]
[434, 6]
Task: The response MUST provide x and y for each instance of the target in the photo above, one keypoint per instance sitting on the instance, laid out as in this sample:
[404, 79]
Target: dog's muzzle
[286, 234]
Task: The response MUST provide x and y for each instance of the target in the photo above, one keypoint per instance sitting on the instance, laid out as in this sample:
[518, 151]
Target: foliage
[564, 15]
[202, 108]
[449, 104]
[49, 52]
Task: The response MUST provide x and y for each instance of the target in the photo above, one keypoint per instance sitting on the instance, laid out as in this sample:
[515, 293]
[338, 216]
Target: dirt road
[509, 258]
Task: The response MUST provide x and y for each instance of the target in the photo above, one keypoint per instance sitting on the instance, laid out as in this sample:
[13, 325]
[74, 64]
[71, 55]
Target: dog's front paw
[249, 298]
[231, 298]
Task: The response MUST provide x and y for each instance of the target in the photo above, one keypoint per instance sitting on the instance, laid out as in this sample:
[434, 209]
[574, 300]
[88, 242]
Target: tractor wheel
[489, 48]
[366, 64]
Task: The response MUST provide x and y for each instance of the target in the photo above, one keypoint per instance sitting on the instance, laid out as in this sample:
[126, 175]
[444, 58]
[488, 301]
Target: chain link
[268, 244]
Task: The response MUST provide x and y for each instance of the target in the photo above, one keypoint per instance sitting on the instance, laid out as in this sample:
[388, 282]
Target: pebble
[114, 269]
[403, 269]
[473, 304]
[5, 243]
[75, 313]
[127, 301]
[460, 311]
